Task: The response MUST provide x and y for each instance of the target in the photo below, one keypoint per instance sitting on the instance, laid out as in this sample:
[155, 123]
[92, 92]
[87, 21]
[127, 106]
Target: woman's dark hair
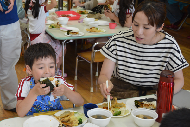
[123, 6]
[154, 10]
[35, 8]
[37, 51]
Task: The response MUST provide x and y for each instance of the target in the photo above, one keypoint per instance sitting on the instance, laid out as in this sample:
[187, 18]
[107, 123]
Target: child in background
[40, 62]
[122, 12]
[36, 11]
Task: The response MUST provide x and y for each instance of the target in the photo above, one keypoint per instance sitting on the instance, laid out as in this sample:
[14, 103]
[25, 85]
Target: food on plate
[52, 17]
[96, 16]
[148, 103]
[144, 116]
[55, 25]
[117, 109]
[65, 15]
[69, 118]
[94, 29]
[50, 81]
[72, 32]
[82, 12]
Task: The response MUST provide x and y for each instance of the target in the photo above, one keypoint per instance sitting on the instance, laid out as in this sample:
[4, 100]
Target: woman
[137, 56]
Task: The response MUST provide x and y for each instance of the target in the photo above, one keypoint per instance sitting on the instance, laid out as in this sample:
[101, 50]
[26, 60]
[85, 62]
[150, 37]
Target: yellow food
[94, 29]
[68, 118]
[55, 25]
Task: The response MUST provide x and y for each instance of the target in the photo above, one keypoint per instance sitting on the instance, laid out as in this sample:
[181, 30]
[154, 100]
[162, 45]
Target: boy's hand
[10, 6]
[59, 91]
[39, 90]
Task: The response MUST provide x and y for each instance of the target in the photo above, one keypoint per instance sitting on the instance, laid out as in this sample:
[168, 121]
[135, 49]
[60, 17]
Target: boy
[40, 62]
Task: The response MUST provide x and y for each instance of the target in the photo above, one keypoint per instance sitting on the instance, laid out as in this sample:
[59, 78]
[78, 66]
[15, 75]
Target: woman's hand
[109, 14]
[39, 90]
[59, 91]
[106, 91]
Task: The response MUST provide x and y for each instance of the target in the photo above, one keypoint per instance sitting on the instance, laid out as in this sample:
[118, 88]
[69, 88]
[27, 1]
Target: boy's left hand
[59, 91]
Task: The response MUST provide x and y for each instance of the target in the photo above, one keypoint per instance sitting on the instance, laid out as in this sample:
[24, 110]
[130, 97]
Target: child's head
[35, 4]
[40, 60]
[176, 118]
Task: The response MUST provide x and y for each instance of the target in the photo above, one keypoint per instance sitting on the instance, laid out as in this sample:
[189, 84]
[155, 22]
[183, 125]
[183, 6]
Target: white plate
[41, 121]
[127, 108]
[80, 34]
[103, 31]
[131, 101]
[49, 22]
[84, 119]
[103, 23]
[65, 28]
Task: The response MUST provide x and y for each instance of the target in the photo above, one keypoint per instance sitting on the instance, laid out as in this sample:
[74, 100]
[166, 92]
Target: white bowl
[93, 24]
[144, 122]
[101, 1]
[99, 111]
[87, 20]
[63, 20]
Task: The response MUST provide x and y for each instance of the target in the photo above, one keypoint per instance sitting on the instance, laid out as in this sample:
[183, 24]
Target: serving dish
[77, 114]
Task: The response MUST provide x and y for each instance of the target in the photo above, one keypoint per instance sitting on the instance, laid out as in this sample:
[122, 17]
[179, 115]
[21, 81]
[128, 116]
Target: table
[60, 35]
[126, 121]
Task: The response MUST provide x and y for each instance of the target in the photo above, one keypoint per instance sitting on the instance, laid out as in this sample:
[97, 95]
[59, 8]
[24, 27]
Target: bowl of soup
[99, 116]
[144, 117]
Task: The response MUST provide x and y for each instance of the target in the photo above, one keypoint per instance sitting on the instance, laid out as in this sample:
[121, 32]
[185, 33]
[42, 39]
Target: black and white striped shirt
[141, 64]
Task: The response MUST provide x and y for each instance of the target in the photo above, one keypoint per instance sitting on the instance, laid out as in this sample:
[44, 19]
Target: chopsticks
[108, 97]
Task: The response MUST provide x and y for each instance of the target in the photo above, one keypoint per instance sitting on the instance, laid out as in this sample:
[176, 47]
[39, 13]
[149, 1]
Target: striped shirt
[141, 64]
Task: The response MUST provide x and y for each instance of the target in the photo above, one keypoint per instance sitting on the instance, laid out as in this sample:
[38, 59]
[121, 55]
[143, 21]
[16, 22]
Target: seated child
[31, 96]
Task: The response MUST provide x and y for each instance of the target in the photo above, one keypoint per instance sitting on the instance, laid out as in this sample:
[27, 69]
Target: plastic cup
[112, 25]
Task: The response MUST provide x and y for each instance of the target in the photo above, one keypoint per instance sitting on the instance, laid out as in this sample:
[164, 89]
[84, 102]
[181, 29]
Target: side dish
[148, 103]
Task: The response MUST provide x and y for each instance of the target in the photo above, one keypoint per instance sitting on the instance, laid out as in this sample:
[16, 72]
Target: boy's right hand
[39, 90]
[1, 9]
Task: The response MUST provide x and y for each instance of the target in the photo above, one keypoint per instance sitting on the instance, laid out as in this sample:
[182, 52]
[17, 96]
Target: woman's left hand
[59, 91]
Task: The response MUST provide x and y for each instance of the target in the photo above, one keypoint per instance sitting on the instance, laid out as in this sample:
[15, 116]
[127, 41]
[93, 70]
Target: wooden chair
[91, 57]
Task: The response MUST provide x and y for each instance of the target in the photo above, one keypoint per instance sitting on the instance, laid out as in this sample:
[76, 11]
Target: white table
[60, 35]
[126, 121]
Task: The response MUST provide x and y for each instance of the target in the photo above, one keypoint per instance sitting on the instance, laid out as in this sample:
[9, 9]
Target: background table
[60, 35]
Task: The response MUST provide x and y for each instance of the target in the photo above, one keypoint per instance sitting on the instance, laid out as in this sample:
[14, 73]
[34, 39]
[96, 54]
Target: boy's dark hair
[37, 51]
[176, 118]
[154, 10]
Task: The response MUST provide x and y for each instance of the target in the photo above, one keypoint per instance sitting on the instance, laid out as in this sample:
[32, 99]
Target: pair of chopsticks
[108, 97]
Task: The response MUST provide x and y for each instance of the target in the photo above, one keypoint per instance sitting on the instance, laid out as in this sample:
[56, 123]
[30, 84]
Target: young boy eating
[32, 96]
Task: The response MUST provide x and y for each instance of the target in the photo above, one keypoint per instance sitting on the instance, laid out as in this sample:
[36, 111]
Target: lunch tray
[59, 13]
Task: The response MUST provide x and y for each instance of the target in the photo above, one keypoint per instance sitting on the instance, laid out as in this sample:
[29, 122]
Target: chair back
[96, 52]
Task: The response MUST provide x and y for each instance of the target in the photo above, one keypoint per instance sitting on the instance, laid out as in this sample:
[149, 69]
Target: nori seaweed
[48, 83]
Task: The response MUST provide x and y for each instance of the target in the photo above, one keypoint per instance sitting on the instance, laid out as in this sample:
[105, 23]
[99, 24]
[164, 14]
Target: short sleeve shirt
[141, 64]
